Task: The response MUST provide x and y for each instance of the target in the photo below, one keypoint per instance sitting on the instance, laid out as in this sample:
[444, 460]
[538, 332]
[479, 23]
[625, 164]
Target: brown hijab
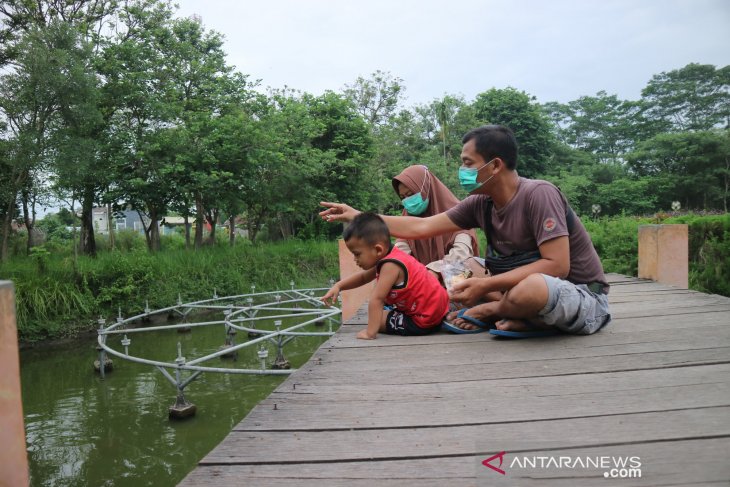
[440, 198]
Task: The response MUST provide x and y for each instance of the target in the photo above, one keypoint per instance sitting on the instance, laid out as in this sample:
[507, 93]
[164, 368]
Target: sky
[554, 50]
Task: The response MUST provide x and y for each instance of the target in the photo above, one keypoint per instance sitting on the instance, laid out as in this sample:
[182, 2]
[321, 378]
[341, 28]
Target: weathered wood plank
[475, 387]
[254, 447]
[485, 401]
[680, 332]
[689, 462]
[467, 366]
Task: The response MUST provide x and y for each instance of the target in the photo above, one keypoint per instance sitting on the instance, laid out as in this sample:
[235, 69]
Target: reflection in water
[82, 430]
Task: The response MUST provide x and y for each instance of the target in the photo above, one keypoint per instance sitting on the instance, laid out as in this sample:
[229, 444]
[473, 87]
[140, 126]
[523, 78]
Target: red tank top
[420, 296]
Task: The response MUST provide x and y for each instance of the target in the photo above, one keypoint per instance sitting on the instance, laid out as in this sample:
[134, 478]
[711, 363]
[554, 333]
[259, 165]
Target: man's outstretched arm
[409, 227]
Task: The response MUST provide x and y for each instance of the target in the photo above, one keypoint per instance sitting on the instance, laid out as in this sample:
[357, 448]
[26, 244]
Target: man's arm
[409, 227]
[554, 261]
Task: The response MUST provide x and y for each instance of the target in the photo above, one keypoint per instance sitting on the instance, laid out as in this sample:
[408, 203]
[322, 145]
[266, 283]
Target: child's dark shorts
[402, 324]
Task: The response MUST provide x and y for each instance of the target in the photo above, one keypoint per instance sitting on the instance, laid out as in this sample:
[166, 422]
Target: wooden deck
[427, 411]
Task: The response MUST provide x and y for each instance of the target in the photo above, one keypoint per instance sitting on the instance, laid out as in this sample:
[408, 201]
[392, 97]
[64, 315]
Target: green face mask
[468, 177]
[415, 204]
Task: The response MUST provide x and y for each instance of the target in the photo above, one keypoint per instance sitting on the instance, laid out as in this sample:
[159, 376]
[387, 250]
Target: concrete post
[664, 254]
[353, 299]
[13, 456]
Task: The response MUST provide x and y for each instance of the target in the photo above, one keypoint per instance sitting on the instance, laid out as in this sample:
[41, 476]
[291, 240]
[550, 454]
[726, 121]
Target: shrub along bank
[60, 296]
[57, 296]
[616, 241]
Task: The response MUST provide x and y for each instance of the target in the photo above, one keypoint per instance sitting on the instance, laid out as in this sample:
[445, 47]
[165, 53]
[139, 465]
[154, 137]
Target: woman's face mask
[415, 204]
[468, 177]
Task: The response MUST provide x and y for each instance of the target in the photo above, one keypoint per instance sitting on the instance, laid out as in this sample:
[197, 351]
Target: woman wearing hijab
[423, 194]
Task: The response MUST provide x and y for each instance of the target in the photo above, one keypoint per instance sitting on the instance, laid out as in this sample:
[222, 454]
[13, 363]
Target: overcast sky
[555, 50]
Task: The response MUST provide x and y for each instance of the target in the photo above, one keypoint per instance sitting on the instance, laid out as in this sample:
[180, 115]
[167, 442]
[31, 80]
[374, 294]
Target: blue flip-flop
[462, 314]
[534, 333]
[481, 326]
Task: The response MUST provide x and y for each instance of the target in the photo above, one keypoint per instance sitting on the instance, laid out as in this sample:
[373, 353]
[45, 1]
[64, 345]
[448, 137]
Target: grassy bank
[57, 297]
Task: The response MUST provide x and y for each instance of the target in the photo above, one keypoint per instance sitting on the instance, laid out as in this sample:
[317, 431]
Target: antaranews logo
[613, 467]
[499, 455]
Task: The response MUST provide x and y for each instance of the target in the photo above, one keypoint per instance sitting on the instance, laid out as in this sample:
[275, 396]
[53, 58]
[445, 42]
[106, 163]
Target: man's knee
[532, 290]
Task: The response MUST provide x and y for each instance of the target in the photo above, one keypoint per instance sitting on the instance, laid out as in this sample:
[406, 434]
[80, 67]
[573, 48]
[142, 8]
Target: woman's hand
[338, 212]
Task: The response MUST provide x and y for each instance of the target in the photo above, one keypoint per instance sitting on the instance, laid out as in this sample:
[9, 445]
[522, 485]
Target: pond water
[83, 430]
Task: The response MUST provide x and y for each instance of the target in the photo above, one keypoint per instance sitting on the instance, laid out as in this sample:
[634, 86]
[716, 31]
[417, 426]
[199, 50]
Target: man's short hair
[494, 141]
[368, 227]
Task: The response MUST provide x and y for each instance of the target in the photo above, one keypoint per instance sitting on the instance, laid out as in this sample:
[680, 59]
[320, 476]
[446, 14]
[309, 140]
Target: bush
[616, 241]
[69, 297]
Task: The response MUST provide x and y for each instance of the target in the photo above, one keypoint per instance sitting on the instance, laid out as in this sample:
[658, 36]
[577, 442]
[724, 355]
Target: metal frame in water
[293, 303]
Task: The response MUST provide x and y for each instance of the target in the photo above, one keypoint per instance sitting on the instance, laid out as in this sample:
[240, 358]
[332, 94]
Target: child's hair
[368, 227]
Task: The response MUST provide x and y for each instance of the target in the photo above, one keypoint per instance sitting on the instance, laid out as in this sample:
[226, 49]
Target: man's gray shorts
[573, 308]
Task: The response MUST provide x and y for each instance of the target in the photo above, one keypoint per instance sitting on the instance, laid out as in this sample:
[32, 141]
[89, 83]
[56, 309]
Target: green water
[86, 431]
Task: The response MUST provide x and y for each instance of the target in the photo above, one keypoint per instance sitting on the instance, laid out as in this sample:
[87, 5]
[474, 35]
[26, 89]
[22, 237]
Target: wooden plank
[252, 447]
[451, 368]
[391, 406]
[517, 387]
[689, 462]
[703, 328]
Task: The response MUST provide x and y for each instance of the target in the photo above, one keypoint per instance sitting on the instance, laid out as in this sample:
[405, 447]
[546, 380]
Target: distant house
[121, 220]
[170, 224]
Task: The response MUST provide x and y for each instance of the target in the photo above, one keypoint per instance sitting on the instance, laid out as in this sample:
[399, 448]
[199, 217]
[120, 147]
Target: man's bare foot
[474, 312]
[458, 322]
[518, 325]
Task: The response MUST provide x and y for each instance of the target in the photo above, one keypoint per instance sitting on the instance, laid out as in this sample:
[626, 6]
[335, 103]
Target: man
[541, 257]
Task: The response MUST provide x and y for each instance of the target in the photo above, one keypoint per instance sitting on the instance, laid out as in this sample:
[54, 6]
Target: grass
[55, 298]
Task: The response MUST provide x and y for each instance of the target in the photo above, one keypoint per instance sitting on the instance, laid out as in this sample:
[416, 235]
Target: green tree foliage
[377, 97]
[602, 125]
[695, 97]
[681, 163]
[30, 102]
[518, 111]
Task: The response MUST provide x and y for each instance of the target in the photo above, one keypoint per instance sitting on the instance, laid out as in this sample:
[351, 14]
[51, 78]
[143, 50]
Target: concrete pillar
[13, 456]
[353, 299]
[664, 254]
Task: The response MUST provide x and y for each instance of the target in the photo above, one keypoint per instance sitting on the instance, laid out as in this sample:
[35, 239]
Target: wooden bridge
[652, 388]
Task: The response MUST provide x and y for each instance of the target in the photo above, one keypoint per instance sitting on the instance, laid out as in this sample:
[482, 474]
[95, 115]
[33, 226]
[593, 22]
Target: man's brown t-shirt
[534, 215]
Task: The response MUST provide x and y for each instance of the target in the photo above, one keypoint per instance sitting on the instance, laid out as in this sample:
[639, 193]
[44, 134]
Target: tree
[695, 97]
[518, 111]
[601, 124]
[48, 46]
[21, 17]
[79, 139]
[139, 100]
[205, 88]
[693, 167]
[29, 102]
[342, 144]
[377, 97]
[444, 122]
